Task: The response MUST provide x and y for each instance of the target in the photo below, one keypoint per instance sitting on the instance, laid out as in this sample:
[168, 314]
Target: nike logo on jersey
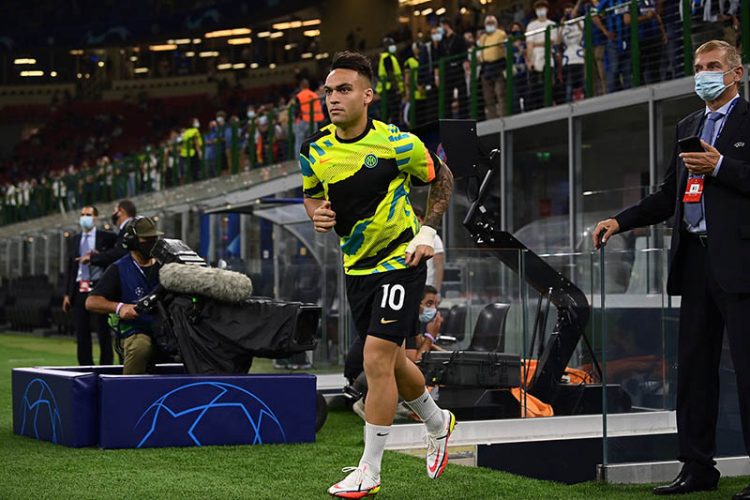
[384, 321]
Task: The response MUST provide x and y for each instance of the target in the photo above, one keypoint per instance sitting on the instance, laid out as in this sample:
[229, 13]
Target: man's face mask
[710, 84]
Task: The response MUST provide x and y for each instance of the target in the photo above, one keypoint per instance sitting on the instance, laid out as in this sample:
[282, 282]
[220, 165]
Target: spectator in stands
[454, 49]
[131, 278]
[618, 67]
[191, 152]
[429, 59]
[213, 146]
[570, 36]
[309, 115]
[222, 145]
[603, 40]
[491, 55]
[124, 211]
[390, 85]
[81, 275]
[535, 40]
[652, 38]
[520, 68]
[412, 84]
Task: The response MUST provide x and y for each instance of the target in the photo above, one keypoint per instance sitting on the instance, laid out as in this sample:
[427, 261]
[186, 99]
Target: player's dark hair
[354, 61]
[429, 289]
[128, 206]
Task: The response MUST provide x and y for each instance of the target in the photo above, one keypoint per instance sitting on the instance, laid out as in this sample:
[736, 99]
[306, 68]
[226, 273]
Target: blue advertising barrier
[85, 406]
[56, 406]
[172, 410]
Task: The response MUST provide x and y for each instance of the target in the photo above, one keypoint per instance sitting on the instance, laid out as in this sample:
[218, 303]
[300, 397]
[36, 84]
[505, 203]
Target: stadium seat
[489, 331]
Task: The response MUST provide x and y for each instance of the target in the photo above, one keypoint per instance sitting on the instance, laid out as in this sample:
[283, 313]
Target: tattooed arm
[441, 190]
[421, 247]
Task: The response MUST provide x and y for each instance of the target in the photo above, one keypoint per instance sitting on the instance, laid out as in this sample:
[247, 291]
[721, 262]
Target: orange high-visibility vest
[304, 97]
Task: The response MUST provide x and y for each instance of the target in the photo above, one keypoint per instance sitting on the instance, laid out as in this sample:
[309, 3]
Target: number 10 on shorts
[393, 296]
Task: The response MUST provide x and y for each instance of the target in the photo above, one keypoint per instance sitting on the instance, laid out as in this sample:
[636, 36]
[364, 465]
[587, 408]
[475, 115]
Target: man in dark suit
[80, 277]
[124, 212]
[709, 195]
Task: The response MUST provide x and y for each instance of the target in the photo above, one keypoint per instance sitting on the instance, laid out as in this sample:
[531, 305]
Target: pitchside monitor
[461, 146]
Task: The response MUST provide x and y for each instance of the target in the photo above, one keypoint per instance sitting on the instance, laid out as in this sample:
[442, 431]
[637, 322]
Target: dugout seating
[489, 329]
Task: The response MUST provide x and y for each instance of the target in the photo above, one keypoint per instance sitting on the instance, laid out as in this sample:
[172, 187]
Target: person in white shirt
[535, 32]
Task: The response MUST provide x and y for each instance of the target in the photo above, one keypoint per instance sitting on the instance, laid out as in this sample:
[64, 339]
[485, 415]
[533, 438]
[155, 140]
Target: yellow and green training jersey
[367, 179]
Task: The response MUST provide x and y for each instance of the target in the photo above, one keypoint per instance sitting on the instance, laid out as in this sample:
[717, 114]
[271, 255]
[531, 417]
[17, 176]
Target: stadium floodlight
[239, 66]
[240, 41]
[229, 32]
[277, 34]
[141, 70]
[163, 47]
[322, 55]
[311, 22]
[440, 11]
[254, 66]
[36, 72]
[311, 33]
[197, 41]
[209, 53]
[272, 66]
[133, 58]
[427, 11]
[190, 53]
[182, 41]
[76, 52]
[264, 34]
[290, 46]
[100, 64]
[307, 55]
[24, 60]
[53, 74]
[224, 66]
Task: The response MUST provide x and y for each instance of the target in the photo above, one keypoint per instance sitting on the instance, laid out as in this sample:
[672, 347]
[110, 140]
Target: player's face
[347, 96]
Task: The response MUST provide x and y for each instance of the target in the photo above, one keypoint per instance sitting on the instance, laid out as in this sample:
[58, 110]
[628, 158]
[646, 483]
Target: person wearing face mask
[390, 85]
[80, 277]
[491, 55]
[535, 34]
[213, 147]
[520, 68]
[191, 152]
[430, 321]
[428, 73]
[454, 47]
[124, 211]
[708, 193]
[123, 284]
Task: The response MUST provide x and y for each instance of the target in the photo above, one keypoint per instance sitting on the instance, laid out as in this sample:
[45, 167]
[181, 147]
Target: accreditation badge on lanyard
[693, 190]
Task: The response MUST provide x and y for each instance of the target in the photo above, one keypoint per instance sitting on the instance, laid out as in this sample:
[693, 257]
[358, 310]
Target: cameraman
[129, 279]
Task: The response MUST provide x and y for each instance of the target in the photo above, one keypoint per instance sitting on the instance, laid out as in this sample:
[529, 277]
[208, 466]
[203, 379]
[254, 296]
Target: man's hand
[433, 327]
[66, 304]
[84, 259]
[421, 247]
[128, 312]
[702, 163]
[324, 218]
[609, 226]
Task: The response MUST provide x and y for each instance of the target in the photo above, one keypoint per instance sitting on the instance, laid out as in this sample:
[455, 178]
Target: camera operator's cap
[145, 227]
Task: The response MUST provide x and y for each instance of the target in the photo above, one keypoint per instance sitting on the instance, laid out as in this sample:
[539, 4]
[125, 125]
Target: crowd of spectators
[101, 162]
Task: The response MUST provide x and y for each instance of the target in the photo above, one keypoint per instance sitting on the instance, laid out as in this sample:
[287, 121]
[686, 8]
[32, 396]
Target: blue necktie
[85, 248]
[694, 211]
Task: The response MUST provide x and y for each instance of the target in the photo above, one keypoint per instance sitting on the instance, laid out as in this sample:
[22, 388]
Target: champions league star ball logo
[41, 415]
[139, 291]
[205, 413]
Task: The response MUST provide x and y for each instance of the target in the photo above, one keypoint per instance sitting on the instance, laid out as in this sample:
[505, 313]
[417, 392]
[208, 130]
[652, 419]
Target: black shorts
[386, 305]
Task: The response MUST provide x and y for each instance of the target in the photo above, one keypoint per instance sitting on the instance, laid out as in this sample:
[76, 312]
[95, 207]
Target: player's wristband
[429, 336]
[425, 236]
[117, 310]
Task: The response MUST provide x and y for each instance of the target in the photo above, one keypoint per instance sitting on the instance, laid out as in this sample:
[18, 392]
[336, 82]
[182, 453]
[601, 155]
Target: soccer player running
[357, 175]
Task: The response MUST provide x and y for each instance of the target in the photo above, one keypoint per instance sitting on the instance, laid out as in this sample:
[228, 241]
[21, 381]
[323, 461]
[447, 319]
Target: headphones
[130, 236]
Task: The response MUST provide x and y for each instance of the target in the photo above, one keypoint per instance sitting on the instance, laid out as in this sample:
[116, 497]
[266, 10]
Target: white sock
[430, 413]
[375, 439]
